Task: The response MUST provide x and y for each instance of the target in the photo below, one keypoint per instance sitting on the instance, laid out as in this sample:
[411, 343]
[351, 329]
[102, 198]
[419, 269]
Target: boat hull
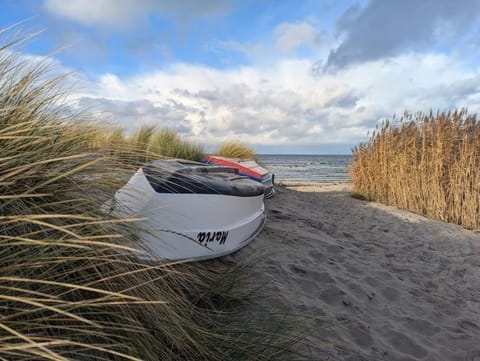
[188, 226]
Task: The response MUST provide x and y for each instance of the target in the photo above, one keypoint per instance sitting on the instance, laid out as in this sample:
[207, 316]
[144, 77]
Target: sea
[308, 168]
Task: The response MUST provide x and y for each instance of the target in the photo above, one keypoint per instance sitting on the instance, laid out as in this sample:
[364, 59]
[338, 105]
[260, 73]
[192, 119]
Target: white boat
[248, 168]
[191, 210]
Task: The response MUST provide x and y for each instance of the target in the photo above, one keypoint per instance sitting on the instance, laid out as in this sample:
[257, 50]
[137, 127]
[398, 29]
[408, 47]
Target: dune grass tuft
[70, 284]
[235, 150]
[168, 143]
[146, 143]
[425, 163]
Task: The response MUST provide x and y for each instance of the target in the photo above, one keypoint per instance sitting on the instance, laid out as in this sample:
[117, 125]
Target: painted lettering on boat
[207, 237]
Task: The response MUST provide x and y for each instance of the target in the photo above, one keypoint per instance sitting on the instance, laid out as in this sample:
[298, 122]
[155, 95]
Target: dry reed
[426, 163]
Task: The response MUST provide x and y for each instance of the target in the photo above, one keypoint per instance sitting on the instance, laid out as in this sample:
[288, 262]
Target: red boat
[246, 167]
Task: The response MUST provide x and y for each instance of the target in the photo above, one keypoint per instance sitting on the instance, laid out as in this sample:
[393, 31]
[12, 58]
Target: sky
[303, 76]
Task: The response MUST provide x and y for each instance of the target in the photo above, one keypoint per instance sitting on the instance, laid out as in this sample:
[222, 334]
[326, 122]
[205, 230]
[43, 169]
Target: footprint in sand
[316, 255]
[468, 325]
[384, 275]
[406, 345]
[420, 326]
[353, 270]
[371, 281]
[332, 295]
[305, 285]
[335, 249]
[297, 270]
[361, 336]
[322, 277]
[390, 293]
[356, 289]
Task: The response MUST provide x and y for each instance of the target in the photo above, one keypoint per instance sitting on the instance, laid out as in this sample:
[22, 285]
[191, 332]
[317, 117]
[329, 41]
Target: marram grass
[169, 144]
[426, 163]
[235, 150]
[146, 143]
[70, 285]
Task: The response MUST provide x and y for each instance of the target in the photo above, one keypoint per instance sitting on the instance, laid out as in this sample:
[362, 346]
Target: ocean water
[308, 168]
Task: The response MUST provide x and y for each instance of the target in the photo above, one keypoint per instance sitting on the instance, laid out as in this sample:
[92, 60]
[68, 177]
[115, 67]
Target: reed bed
[70, 284]
[425, 163]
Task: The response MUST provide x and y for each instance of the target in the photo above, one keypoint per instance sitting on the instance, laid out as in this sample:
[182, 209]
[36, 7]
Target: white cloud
[283, 103]
[125, 12]
[292, 35]
[283, 41]
[289, 39]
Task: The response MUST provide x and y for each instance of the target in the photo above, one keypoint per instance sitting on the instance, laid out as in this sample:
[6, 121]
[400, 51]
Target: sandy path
[394, 285]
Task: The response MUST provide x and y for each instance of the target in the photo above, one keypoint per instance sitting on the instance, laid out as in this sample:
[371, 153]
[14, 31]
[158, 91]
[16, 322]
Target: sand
[377, 283]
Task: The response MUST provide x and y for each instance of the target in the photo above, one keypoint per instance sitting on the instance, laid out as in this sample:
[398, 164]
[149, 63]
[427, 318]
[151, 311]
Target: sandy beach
[378, 283]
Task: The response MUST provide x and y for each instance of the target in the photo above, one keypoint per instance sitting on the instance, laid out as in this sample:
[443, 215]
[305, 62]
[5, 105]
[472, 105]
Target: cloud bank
[389, 28]
[282, 104]
[381, 59]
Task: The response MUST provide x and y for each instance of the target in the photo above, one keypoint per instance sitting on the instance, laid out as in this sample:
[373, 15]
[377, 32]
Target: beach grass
[70, 284]
[168, 143]
[146, 143]
[425, 163]
[235, 149]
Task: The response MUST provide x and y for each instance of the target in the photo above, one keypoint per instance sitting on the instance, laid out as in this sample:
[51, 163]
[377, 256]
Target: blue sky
[282, 76]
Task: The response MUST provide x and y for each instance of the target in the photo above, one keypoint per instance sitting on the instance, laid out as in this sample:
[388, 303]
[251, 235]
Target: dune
[374, 282]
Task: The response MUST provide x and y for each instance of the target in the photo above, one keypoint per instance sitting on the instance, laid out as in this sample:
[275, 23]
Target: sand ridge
[379, 283]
